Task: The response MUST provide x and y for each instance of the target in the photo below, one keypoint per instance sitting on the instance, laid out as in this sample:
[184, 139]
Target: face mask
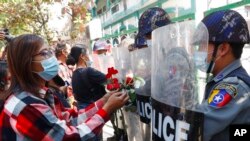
[89, 63]
[149, 43]
[50, 68]
[200, 61]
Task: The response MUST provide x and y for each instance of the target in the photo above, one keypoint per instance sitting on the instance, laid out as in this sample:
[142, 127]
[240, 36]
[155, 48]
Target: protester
[62, 50]
[58, 88]
[227, 91]
[32, 112]
[87, 83]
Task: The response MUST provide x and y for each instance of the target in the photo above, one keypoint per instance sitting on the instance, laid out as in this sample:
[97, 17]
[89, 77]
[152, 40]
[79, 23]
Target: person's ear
[224, 49]
[82, 57]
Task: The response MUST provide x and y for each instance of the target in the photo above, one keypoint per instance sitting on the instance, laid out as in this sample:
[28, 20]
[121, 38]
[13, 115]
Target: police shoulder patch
[221, 95]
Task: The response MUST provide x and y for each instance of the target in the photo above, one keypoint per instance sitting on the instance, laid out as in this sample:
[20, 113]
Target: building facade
[119, 18]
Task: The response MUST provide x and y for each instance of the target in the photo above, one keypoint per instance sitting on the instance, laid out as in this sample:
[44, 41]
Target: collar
[228, 69]
[61, 63]
[43, 91]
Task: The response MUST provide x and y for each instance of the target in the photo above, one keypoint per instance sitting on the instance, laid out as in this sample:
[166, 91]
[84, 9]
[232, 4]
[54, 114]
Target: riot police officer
[227, 99]
[151, 19]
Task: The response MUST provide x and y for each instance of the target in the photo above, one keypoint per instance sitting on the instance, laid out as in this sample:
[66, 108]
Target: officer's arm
[218, 117]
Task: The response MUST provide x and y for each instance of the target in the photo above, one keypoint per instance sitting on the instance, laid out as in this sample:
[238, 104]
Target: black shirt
[88, 84]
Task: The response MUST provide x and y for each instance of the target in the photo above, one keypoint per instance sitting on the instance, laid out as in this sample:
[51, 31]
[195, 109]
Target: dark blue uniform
[227, 101]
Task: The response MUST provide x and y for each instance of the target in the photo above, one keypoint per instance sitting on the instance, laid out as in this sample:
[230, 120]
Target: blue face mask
[200, 61]
[50, 68]
[149, 43]
[89, 63]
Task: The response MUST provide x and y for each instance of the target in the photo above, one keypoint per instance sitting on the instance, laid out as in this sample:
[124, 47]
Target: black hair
[76, 51]
[3, 74]
[237, 49]
[70, 60]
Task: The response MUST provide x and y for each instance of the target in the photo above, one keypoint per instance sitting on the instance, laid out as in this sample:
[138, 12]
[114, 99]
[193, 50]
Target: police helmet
[151, 19]
[227, 26]
[100, 45]
[140, 42]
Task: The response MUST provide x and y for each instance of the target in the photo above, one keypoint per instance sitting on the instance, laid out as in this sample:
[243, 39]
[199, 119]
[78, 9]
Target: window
[115, 8]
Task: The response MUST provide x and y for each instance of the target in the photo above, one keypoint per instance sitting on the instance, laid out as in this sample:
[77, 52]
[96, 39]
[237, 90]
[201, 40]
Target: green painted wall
[185, 14]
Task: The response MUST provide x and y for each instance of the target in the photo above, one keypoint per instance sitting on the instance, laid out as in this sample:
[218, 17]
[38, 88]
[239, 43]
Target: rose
[114, 86]
[111, 71]
[129, 81]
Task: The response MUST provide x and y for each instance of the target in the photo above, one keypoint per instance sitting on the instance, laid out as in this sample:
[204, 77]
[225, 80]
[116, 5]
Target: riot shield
[96, 62]
[176, 79]
[141, 66]
[122, 58]
[106, 61]
[122, 61]
[102, 62]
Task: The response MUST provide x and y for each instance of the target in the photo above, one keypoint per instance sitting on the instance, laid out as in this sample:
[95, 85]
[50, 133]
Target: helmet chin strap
[209, 69]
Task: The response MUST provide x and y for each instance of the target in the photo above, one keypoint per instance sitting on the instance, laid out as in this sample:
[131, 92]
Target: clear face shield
[122, 61]
[200, 44]
[177, 79]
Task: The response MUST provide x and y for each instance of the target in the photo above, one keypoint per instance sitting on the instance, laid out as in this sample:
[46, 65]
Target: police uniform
[226, 102]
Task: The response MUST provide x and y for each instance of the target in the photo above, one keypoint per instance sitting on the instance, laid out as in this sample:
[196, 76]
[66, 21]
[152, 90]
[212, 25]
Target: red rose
[115, 80]
[129, 81]
[113, 86]
[110, 87]
[117, 86]
[112, 71]
[108, 75]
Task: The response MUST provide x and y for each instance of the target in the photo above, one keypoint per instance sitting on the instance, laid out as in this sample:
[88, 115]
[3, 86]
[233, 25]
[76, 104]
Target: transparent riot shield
[106, 61]
[122, 58]
[141, 66]
[176, 79]
[102, 62]
[96, 62]
[122, 62]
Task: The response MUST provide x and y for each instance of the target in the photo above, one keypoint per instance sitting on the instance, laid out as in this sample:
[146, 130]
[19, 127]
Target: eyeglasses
[46, 53]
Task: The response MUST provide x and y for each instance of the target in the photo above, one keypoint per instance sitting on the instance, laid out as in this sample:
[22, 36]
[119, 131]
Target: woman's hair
[76, 51]
[20, 53]
[3, 74]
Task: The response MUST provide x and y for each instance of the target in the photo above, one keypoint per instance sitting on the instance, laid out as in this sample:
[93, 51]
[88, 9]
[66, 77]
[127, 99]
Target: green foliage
[25, 16]
[32, 16]
[80, 16]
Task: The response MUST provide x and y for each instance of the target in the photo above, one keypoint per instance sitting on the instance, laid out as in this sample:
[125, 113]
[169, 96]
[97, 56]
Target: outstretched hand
[107, 95]
[115, 101]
